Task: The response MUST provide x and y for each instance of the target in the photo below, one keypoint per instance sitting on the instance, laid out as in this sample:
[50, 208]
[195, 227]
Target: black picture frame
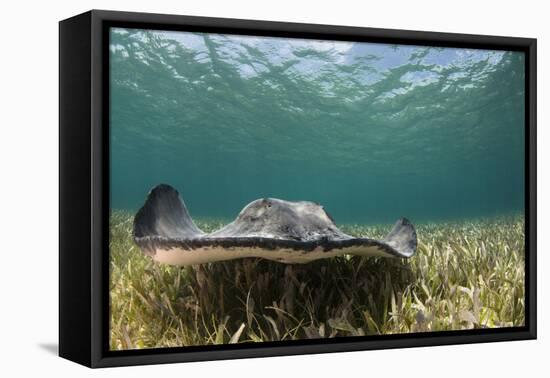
[84, 188]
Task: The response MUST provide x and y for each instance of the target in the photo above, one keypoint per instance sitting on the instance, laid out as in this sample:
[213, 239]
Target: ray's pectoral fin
[402, 238]
[401, 242]
[163, 216]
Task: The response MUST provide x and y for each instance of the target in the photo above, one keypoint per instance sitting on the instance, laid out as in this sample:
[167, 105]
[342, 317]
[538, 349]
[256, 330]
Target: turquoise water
[371, 131]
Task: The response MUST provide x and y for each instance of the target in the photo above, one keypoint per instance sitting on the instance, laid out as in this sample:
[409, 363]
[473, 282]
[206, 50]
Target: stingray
[269, 228]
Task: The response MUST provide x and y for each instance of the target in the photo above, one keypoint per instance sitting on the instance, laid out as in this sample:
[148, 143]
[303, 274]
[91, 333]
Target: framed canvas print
[234, 188]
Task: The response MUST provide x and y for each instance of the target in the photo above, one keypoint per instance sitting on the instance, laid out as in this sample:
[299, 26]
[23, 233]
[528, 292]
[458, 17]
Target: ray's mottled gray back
[279, 219]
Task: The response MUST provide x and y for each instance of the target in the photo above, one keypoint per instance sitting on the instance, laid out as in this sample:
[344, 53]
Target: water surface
[371, 131]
